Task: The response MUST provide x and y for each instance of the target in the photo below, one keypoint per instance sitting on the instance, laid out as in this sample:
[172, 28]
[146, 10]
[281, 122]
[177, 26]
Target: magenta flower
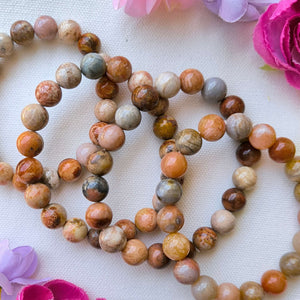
[238, 10]
[16, 268]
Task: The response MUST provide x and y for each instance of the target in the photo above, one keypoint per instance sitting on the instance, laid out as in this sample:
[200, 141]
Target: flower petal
[28, 281]
[152, 5]
[119, 3]
[179, 4]
[138, 8]
[232, 10]
[213, 5]
[36, 292]
[13, 296]
[5, 285]
[293, 79]
[251, 14]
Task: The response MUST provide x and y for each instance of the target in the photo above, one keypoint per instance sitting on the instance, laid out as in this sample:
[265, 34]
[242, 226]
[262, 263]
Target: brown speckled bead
[95, 131]
[22, 33]
[18, 184]
[167, 147]
[145, 98]
[98, 215]
[34, 117]
[164, 127]
[69, 170]
[48, 93]
[211, 127]
[191, 81]
[161, 108]
[30, 143]
[54, 216]
[88, 43]
[68, 75]
[231, 105]
[75, 230]
[105, 110]
[283, 150]
[135, 252]
[112, 239]
[106, 89]
[228, 291]
[37, 195]
[145, 220]
[93, 238]
[128, 228]
[173, 165]
[170, 219]
[290, 264]
[273, 282]
[45, 28]
[176, 246]
[204, 238]
[156, 257]
[100, 162]
[233, 199]
[251, 290]
[188, 141]
[292, 169]
[118, 69]
[262, 136]
[247, 155]
[69, 31]
[6, 173]
[29, 170]
[111, 137]
[186, 271]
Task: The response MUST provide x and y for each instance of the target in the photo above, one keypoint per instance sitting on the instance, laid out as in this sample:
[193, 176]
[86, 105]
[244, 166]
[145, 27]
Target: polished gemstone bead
[18, 184]
[290, 264]
[173, 165]
[251, 290]
[48, 93]
[100, 162]
[164, 127]
[37, 195]
[135, 252]
[139, 78]
[51, 178]
[68, 75]
[247, 155]
[244, 178]
[128, 117]
[176, 246]
[118, 69]
[45, 28]
[106, 89]
[93, 66]
[167, 147]
[84, 151]
[233, 199]
[98, 215]
[161, 107]
[167, 84]
[222, 221]
[34, 117]
[30, 143]
[262, 136]
[112, 239]
[292, 169]
[211, 127]
[105, 110]
[6, 45]
[169, 191]
[204, 238]
[186, 271]
[273, 282]
[157, 204]
[170, 219]
[228, 291]
[69, 170]
[231, 105]
[283, 150]
[75, 230]
[145, 98]
[128, 227]
[296, 242]
[95, 130]
[93, 238]
[22, 33]
[191, 81]
[214, 90]
[111, 137]
[146, 220]
[29, 170]
[156, 257]
[6, 173]
[205, 288]
[69, 31]
[88, 43]
[238, 126]
[54, 216]
[95, 188]
[188, 141]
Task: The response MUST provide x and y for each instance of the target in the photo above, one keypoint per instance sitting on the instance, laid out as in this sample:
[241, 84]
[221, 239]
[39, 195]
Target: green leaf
[267, 68]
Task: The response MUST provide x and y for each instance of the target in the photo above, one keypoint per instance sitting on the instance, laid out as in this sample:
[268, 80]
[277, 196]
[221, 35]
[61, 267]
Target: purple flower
[238, 10]
[16, 268]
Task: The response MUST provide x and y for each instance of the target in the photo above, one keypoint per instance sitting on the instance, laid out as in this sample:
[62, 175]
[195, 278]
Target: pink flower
[277, 38]
[139, 8]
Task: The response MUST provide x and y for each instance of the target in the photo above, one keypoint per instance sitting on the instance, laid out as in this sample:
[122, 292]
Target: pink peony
[277, 38]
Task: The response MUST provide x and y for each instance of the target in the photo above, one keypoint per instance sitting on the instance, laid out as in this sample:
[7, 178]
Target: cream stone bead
[244, 178]
[296, 242]
[238, 126]
[222, 221]
[167, 84]
[112, 239]
[139, 78]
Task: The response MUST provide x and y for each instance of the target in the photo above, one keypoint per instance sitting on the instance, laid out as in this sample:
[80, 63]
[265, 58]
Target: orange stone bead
[135, 252]
[191, 81]
[176, 246]
[273, 282]
[69, 170]
[118, 69]
[18, 184]
[98, 215]
[262, 136]
[95, 131]
[145, 219]
[30, 143]
[211, 127]
[173, 165]
[29, 170]
[283, 150]
[106, 89]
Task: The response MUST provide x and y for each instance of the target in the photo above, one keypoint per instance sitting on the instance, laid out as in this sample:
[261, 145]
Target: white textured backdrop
[160, 42]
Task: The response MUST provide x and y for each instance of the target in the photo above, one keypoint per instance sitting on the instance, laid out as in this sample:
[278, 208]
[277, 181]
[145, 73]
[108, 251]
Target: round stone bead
[6, 173]
[188, 141]
[54, 216]
[111, 137]
[167, 147]
[231, 105]
[157, 204]
[192, 250]
[98, 215]
[128, 227]
[118, 69]
[105, 110]
[238, 126]
[69, 31]
[6, 45]
[290, 264]
[145, 98]
[45, 28]
[228, 291]
[204, 238]
[233, 199]
[205, 288]
[106, 89]
[135, 252]
[75, 230]
[34, 117]
[37, 195]
[161, 108]
[186, 271]
[244, 178]
[69, 170]
[167, 84]
[95, 188]
[29, 170]
[173, 165]
[128, 117]
[93, 66]
[139, 78]
[68, 75]
[105, 56]
[18, 184]
[191, 81]
[292, 169]
[211, 127]
[297, 192]
[176, 246]
[247, 155]
[48, 93]
[169, 191]
[222, 221]
[262, 136]
[95, 130]
[283, 150]
[93, 238]
[179, 179]
[145, 220]
[112, 239]
[170, 219]
[88, 43]
[22, 33]
[251, 290]
[30, 143]
[296, 242]
[273, 282]
[51, 178]
[100, 162]
[84, 151]
[156, 257]
[214, 90]
[164, 127]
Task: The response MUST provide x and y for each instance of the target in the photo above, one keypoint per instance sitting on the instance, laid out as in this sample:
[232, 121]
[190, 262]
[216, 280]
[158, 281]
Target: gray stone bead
[214, 90]
[205, 288]
[95, 188]
[238, 126]
[169, 191]
[128, 117]
[6, 45]
[93, 66]
[51, 178]
[290, 264]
